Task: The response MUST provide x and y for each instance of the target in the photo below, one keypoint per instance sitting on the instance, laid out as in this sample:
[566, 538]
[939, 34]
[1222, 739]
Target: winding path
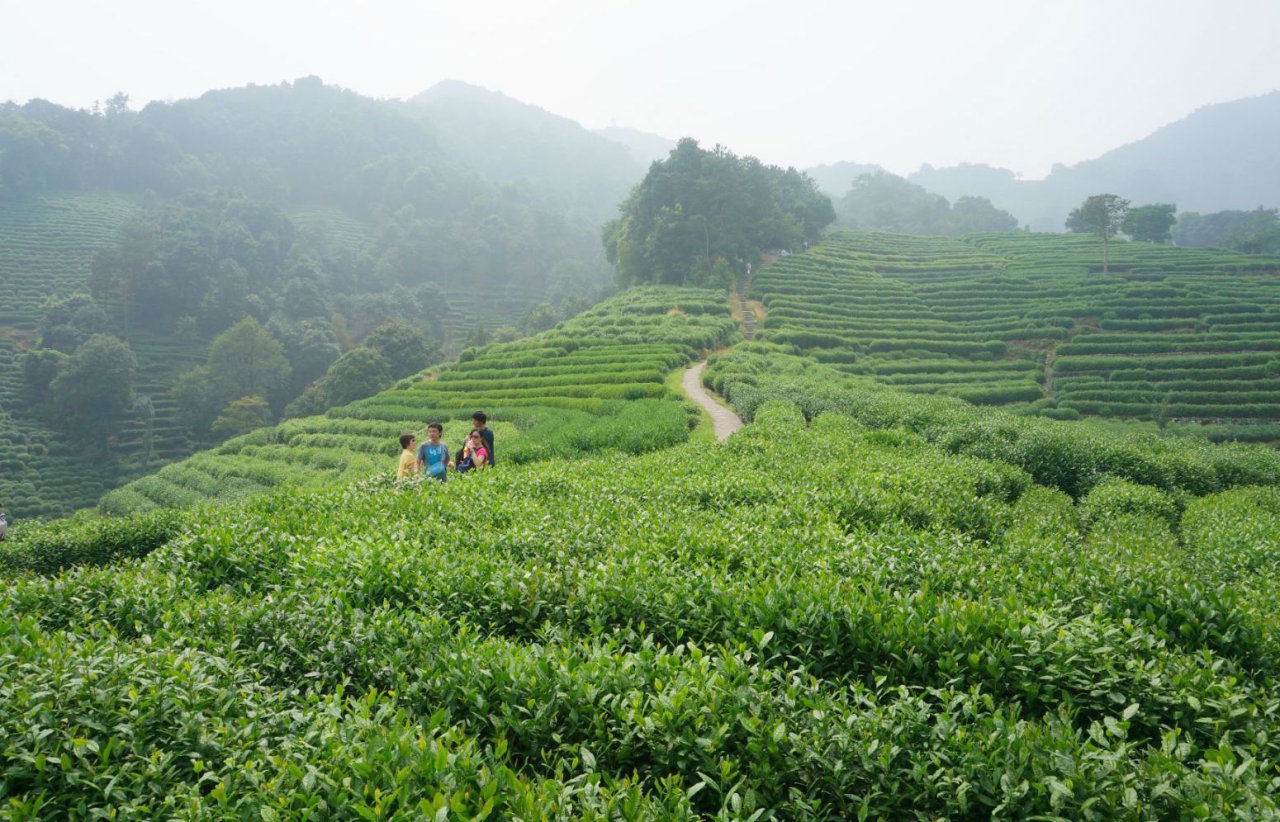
[724, 420]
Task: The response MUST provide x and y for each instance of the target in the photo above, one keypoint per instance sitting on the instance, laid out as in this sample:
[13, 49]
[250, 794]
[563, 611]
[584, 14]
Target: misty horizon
[923, 166]
[1000, 84]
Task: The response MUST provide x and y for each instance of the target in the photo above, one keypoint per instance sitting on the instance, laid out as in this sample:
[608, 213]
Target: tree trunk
[1104, 252]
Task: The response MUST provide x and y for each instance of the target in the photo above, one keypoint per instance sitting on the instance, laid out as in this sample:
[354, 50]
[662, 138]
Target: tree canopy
[94, 388]
[1250, 232]
[700, 214]
[242, 416]
[885, 201]
[1150, 223]
[246, 361]
[1101, 214]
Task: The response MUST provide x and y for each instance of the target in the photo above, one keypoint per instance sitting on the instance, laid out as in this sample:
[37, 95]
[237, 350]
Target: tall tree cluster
[1249, 232]
[699, 216]
[888, 202]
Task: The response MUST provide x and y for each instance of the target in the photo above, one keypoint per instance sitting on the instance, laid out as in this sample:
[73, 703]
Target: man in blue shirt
[433, 455]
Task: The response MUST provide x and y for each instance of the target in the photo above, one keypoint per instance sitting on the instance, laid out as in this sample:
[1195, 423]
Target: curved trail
[724, 420]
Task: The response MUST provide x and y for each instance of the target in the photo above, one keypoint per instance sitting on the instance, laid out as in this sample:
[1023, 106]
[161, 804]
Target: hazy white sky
[1022, 84]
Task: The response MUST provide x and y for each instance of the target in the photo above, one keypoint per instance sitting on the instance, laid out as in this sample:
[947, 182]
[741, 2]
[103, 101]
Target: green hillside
[594, 382]
[1170, 335]
[321, 214]
[870, 601]
[46, 249]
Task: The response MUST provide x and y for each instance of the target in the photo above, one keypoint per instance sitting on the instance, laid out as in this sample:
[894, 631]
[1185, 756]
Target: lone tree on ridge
[1101, 214]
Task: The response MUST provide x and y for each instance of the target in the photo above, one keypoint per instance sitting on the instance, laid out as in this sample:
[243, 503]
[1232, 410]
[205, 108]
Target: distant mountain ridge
[836, 178]
[506, 141]
[645, 148]
[1221, 156]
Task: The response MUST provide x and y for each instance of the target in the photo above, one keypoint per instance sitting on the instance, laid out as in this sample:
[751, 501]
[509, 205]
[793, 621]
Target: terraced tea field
[1015, 319]
[47, 250]
[706, 630]
[870, 602]
[594, 382]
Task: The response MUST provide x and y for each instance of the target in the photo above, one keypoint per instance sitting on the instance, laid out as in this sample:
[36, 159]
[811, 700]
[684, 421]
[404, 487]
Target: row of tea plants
[593, 383]
[817, 617]
[1029, 321]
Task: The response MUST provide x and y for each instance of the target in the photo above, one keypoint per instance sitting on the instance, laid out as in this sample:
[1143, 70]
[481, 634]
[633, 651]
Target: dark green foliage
[48, 547]
[69, 321]
[1250, 232]
[40, 367]
[887, 202]
[405, 349]
[317, 212]
[361, 372]
[94, 388]
[242, 416]
[245, 360]
[698, 207]
[1150, 223]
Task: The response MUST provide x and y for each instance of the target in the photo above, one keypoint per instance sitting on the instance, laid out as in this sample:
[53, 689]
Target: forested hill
[507, 141]
[315, 212]
[1219, 157]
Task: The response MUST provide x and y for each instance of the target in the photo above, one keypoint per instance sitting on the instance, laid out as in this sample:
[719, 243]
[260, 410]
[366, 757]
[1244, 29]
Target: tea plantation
[1170, 335]
[47, 250]
[871, 602]
[594, 382]
[891, 630]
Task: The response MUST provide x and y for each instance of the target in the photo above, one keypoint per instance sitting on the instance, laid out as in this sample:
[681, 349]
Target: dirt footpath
[726, 422]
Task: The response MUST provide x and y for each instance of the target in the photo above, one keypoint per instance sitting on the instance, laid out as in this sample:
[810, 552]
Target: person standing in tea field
[481, 424]
[475, 454]
[408, 458]
[434, 454]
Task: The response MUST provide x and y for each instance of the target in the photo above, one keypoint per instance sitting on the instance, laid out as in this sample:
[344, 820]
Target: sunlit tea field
[1169, 335]
[870, 602]
[595, 382]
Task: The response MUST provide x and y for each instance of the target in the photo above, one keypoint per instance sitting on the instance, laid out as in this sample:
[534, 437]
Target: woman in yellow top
[408, 457]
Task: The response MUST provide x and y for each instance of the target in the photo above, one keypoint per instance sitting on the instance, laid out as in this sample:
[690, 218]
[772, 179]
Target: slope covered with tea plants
[870, 601]
[595, 382]
[891, 630]
[46, 251]
[319, 213]
[1187, 335]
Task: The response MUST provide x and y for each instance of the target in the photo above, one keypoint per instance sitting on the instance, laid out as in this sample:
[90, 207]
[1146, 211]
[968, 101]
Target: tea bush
[815, 618]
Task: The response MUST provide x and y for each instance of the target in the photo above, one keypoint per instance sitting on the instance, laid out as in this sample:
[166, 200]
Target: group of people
[432, 458]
